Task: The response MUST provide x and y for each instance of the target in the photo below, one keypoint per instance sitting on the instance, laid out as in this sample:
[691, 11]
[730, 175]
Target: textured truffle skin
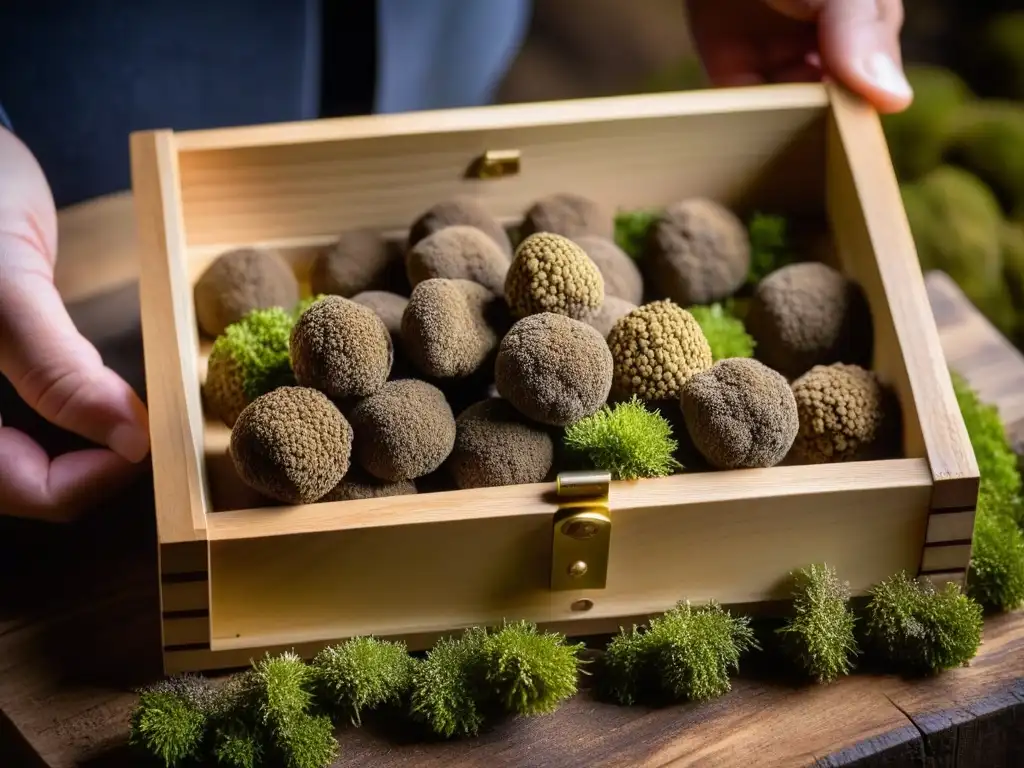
[622, 276]
[841, 410]
[740, 414]
[446, 331]
[553, 369]
[358, 261]
[551, 273]
[697, 252]
[568, 214]
[342, 348]
[611, 310]
[292, 445]
[808, 314]
[458, 252]
[496, 445]
[239, 281]
[357, 484]
[656, 348]
[404, 431]
[459, 210]
[388, 306]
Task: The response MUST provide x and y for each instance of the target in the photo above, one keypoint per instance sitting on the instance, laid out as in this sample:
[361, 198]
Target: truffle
[553, 369]
[740, 414]
[611, 310]
[342, 348]
[458, 252]
[656, 348]
[358, 261]
[808, 314]
[551, 273]
[622, 277]
[358, 484]
[403, 431]
[841, 410]
[291, 444]
[697, 252]
[446, 327]
[495, 445]
[249, 359]
[388, 306]
[240, 281]
[568, 214]
[459, 210]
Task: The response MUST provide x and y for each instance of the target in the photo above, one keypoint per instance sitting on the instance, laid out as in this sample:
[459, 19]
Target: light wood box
[238, 580]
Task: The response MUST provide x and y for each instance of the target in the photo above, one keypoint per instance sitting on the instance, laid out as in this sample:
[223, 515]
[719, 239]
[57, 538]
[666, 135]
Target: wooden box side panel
[875, 246]
[748, 147]
[726, 538]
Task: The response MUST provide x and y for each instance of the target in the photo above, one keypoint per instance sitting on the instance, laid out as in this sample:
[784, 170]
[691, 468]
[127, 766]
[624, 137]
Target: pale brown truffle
[553, 369]
[360, 260]
[611, 310]
[568, 214]
[740, 414]
[697, 252]
[496, 445]
[551, 273]
[403, 431]
[446, 329]
[388, 306]
[459, 210]
[291, 444]
[240, 281]
[656, 348]
[358, 484]
[458, 252]
[808, 314]
[842, 412]
[342, 348]
[622, 276]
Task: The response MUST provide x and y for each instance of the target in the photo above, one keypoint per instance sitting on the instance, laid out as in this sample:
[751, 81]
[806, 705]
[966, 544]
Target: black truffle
[358, 484]
[611, 310]
[622, 277]
[459, 210]
[458, 252]
[240, 281]
[360, 260]
[570, 215]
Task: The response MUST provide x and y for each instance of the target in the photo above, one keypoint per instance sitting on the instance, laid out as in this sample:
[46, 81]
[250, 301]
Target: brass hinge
[582, 530]
[495, 164]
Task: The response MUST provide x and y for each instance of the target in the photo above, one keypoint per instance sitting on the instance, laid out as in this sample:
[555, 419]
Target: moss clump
[686, 654]
[697, 252]
[631, 228]
[622, 277]
[362, 674]
[444, 689]
[627, 440]
[238, 282]
[248, 360]
[990, 144]
[655, 349]
[458, 252]
[459, 211]
[769, 245]
[740, 414]
[553, 369]
[820, 637]
[170, 720]
[567, 214]
[291, 444]
[725, 332]
[359, 260]
[551, 273]
[913, 628]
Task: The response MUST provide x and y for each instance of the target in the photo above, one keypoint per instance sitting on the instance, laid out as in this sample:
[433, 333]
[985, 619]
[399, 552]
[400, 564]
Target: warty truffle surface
[611, 310]
[459, 210]
[360, 260]
[568, 214]
[551, 273]
[358, 484]
[458, 252]
[239, 281]
[622, 276]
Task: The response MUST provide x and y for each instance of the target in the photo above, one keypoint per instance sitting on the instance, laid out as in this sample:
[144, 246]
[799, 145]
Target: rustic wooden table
[78, 619]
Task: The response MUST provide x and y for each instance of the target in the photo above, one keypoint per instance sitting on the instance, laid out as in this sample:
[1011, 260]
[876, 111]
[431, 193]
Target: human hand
[56, 371]
[854, 42]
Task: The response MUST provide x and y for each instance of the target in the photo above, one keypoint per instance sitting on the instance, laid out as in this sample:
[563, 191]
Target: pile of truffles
[456, 357]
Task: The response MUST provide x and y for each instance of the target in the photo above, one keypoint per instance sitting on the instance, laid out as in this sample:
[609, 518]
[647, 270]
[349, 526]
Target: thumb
[53, 368]
[860, 47]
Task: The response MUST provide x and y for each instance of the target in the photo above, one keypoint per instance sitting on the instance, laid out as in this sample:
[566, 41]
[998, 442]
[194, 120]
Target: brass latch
[495, 164]
[582, 531]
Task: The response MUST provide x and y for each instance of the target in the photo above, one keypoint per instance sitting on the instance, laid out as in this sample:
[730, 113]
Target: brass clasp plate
[495, 164]
[581, 533]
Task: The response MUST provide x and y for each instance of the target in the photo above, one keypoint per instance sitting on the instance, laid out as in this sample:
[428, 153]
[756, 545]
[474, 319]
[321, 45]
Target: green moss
[361, 674]
[919, 136]
[819, 638]
[996, 578]
[1012, 239]
[769, 245]
[989, 142]
[305, 304]
[528, 672]
[626, 439]
[444, 696]
[686, 654]
[725, 332]
[170, 719]
[915, 629]
[631, 228]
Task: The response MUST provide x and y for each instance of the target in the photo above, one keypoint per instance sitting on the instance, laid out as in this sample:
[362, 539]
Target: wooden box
[238, 580]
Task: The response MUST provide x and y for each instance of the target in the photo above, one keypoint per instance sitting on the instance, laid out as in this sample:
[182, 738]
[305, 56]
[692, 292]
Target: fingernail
[882, 71]
[129, 442]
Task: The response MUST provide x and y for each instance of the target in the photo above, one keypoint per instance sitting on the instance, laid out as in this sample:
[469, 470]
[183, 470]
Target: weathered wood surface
[78, 629]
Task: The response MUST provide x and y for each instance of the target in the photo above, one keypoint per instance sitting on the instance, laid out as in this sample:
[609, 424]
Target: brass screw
[579, 529]
[577, 569]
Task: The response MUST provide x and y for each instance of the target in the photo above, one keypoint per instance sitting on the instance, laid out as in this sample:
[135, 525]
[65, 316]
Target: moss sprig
[819, 638]
[361, 674]
[631, 228]
[627, 439]
[171, 718]
[725, 332]
[444, 696]
[769, 245]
